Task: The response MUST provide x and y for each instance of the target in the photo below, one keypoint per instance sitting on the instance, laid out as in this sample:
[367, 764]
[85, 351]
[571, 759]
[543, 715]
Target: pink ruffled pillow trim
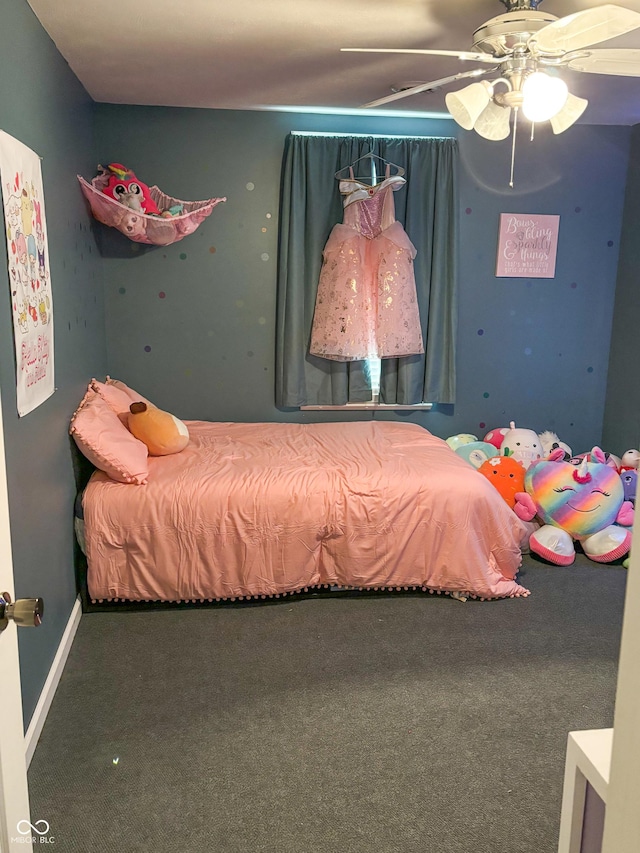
[106, 442]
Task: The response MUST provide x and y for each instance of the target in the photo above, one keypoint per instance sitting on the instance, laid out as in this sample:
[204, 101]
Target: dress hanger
[369, 156]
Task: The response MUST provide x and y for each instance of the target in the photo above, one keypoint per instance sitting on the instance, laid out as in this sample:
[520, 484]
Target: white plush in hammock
[142, 227]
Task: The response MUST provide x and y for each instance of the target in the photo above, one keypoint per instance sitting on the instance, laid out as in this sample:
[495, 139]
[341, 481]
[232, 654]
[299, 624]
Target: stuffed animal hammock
[158, 230]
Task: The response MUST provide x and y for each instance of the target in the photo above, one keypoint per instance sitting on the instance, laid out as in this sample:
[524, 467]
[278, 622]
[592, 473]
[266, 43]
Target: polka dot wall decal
[183, 256]
[239, 303]
[578, 209]
[264, 256]
[268, 216]
[122, 290]
[264, 230]
[589, 369]
[147, 348]
[250, 186]
[250, 353]
[162, 294]
[212, 249]
[574, 284]
[262, 320]
[527, 351]
[468, 211]
[482, 425]
[486, 394]
[609, 243]
[481, 332]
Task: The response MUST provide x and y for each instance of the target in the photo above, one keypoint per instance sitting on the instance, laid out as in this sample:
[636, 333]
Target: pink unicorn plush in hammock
[144, 214]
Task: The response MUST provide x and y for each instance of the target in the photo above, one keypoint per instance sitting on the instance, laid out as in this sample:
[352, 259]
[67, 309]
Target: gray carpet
[345, 725]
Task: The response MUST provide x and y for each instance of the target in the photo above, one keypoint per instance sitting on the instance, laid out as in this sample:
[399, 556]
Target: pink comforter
[264, 509]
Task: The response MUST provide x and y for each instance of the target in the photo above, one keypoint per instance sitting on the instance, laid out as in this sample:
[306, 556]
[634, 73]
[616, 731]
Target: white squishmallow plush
[522, 444]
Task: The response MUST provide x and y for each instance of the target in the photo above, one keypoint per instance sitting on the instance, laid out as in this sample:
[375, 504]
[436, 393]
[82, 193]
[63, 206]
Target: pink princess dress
[366, 305]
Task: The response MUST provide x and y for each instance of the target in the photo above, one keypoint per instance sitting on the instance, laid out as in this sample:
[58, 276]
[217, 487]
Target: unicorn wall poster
[29, 276]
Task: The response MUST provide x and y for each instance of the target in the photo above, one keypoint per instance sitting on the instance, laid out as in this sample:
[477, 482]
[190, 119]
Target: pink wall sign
[527, 245]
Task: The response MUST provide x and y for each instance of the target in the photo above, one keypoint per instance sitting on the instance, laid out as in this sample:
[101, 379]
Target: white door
[622, 821]
[15, 829]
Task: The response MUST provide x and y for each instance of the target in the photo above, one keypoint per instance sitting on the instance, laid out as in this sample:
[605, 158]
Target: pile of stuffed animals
[123, 186]
[588, 498]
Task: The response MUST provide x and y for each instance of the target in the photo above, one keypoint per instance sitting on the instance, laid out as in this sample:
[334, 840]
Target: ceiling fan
[522, 46]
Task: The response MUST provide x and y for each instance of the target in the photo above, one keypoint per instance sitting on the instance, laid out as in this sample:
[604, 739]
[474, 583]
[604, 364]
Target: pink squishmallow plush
[496, 436]
[583, 502]
[126, 188]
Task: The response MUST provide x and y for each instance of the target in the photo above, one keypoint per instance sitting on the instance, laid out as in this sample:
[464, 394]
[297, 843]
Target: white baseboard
[51, 684]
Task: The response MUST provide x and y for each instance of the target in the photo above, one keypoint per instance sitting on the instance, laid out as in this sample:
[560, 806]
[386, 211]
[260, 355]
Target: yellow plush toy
[162, 432]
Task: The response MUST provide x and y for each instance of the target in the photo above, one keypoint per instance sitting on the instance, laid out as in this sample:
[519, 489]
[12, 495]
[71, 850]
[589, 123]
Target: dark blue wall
[43, 105]
[622, 411]
[536, 351]
[192, 325]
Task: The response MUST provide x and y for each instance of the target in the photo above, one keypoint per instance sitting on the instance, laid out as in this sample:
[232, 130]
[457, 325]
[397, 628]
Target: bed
[250, 511]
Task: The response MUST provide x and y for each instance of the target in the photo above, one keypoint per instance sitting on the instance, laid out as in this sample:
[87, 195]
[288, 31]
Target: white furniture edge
[39, 717]
[588, 761]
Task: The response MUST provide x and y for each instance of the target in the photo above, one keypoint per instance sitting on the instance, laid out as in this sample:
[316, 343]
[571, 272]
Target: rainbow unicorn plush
[583, 502]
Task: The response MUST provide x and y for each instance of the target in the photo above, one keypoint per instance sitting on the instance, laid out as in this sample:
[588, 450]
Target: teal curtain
[310, 206]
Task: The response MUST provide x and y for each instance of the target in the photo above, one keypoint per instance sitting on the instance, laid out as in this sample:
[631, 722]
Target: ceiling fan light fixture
[569, 114]
[466, 105]
[544, 96]
[493, 122]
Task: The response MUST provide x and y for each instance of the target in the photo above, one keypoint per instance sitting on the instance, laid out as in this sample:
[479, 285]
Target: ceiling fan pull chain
[513, 143]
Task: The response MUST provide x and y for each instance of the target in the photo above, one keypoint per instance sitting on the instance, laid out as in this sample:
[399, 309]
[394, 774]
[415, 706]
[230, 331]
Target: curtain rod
[366, 135]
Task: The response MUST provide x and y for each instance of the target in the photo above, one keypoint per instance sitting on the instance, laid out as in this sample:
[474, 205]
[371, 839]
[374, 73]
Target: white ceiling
[253, 54]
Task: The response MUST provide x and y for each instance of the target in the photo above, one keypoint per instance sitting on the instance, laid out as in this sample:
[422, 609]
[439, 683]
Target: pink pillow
[113, 396]
[133, 396]
[106, 442]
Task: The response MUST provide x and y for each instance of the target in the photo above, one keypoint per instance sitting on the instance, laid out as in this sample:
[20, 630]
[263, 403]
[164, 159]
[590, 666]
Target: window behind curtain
[310, 206]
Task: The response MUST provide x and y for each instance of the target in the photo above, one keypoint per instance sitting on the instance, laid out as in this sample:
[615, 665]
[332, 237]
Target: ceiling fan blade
[625, 63]
[425, 87]
[585, 28]
[464, 55]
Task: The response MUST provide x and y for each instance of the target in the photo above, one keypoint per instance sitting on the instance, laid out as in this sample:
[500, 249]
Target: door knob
[26, 612]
